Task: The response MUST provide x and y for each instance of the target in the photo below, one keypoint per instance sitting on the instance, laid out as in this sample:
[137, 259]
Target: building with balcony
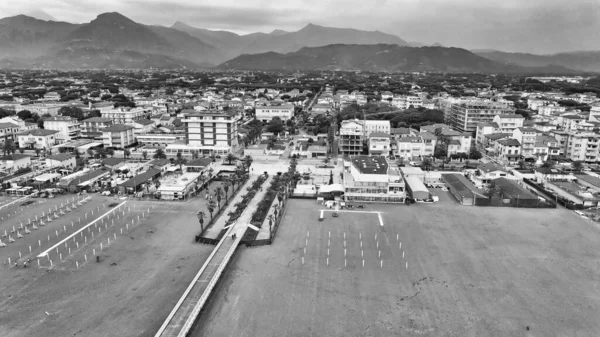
[209, 132]
[466, 116]
[126, 115]
[91, 127]
[118, 136]
[379, 144]
[37, 139]
[370, 179]
[527, 139]
[508, 151]
[507, 123]
[159, 139]
[583, 147]
[372, 126]
[68, 127]
[351, 138]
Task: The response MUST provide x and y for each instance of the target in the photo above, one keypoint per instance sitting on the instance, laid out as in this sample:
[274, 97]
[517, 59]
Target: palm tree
[145, 154]
[211, 209]
[180, 160]
[201, 216]
[226, 189]
[210, 173]
[270, 217]
[9, 147]
[160, 154]
[147, 185]
[248, 161]
[230, 157]
[219, 194]
[275, 210]
[280, 198]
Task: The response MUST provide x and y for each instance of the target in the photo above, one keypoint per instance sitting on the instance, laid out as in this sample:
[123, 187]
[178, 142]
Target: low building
[143, 126]
[488, 172]
[267, 113]
[61, 160]
[118, 136]
[37, 139]
[134, 184]
[14, 162]
[367, 178]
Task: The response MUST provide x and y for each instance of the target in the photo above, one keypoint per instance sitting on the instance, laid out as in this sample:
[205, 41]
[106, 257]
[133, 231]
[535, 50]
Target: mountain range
[381, 57]
[112, 40]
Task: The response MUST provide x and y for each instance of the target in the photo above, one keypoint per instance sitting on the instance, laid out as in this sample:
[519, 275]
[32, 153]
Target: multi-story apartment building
[267, 113]
[118, 136]
[125, 115]
[415, 147]
[508, 151]
[209, 132]
[351, 138]
[91, 127]
[68, 127]
[583, 147]
[570, 122]
[369, 178]
[527, 139]
[42, 108]
[466, 116]
[549, 110]
[37, 139]
[8, 131]
[379, 144]
[545, 148]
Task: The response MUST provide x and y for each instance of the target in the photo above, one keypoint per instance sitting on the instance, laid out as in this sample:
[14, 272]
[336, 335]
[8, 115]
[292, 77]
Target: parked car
[106, 193]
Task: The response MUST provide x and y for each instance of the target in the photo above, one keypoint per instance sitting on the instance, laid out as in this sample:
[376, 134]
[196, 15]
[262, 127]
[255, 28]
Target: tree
[37, 152]
[577, 165]
[270, 217]
[226, 189]
[21, 150]
[440, 152]
[427, 162]
[110, 152]
[90, 153]
[219, 194]
[24, 114]
[230, 157]
[40, 123]
[126, 153]
[71, 111]
[100, 153]
[275, 126]
[522, 164]
[160, 154]
[9, 147]
[211, 209]
[145, 154]
[180, 160]
[331, 178]
[201, 216]
[248, 161]
[326, 160]
[195, 154]
[549, 164]
[474, 153]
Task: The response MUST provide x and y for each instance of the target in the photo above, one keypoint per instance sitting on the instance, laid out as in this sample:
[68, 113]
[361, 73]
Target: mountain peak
[311, 26]
[278, 32]
[113, 17]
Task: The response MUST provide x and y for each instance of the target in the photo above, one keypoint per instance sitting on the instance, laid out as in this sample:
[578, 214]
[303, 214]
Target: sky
[536, 26]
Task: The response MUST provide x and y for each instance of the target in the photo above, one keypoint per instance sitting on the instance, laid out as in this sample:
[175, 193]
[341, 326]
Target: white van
[412, 163]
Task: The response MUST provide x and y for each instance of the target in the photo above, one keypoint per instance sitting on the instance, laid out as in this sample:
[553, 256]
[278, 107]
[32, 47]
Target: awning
[332, 188]
[47, 177]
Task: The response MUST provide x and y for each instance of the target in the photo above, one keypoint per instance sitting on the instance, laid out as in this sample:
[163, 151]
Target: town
[430, 171]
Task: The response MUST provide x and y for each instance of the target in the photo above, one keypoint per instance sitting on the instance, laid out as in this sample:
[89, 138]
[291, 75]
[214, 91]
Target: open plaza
[429, 270]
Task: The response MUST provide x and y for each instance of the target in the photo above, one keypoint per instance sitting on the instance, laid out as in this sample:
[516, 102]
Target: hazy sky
[511, 25]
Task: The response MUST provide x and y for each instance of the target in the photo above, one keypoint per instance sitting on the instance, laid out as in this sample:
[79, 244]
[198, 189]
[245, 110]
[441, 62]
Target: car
[444, 189]
[335, 214]
[360, 206]
[106, 193]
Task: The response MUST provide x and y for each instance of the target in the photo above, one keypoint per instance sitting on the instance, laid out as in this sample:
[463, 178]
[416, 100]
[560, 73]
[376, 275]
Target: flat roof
[370, 164]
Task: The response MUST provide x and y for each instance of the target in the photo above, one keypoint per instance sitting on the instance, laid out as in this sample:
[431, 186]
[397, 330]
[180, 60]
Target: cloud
[514, 25]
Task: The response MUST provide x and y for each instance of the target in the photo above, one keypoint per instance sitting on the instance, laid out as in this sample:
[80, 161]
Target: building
[351, 138]
[209, 132]
[68, 127]
[508, 151]
[61, 160]
[143, 126]
[372, 126]
[466, 116]
[507, 123]
[42, 108]
[265, 114]
[91, 127]
[369, 178]
[8, 131]
[37, 139]
[379, 144]
[118, 136]
[527, 139]
[125, 115]
[583, 147]
[14, 162]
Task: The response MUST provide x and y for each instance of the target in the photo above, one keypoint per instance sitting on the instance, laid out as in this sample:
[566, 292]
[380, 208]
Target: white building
[118, 136]
[125, 115]
[369, 178]
[37, 139]
[372, 126]
[267, 113]
[68, 127]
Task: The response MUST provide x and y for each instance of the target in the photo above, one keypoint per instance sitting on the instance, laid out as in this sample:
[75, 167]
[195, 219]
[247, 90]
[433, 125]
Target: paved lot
[130, 292]
[472, 271]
